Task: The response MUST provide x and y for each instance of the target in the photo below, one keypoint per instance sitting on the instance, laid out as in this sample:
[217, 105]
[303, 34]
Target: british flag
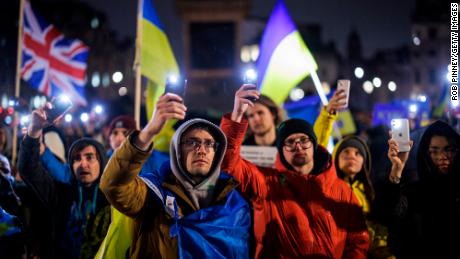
[51, 63]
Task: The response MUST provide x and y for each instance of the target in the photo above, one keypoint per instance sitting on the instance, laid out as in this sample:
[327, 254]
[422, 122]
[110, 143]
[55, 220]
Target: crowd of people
[203, 199]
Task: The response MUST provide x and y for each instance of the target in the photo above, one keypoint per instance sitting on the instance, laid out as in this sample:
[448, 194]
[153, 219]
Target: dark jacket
[80, 215]
[428, 210]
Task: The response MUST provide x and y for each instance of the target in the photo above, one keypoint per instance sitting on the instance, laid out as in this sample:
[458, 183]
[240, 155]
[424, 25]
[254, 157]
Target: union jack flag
[51, 63]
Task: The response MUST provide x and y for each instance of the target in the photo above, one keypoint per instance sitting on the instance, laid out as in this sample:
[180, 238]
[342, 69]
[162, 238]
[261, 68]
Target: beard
[300, 160]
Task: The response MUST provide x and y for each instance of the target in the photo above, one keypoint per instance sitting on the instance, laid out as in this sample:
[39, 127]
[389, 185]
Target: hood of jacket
[199, 192]
[425, 167]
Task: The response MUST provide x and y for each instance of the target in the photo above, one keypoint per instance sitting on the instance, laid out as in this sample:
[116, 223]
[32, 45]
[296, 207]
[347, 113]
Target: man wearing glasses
[301, 209]
[189, 209]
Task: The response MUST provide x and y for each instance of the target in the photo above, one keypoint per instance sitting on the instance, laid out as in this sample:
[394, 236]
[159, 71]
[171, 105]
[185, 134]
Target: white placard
[260, 155]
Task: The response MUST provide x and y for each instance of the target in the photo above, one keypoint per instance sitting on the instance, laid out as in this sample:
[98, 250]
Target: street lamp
[377, 82]
[368, 87]
[392, 86]
[296, 94]
[117, 77]
[359, 72]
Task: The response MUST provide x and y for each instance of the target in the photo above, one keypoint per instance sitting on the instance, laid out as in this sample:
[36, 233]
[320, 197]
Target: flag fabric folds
[157, 62]
[284, 59]
[51, 63]
[157, 58]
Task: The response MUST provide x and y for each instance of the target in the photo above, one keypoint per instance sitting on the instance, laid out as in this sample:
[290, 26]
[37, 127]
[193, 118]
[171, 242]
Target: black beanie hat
[289, 127]
[352, 142]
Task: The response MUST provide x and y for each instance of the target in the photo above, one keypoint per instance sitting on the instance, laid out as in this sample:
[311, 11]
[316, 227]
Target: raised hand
[241, 102]
[38, 121]
[398, 159]
[337, 102]
[168, 106]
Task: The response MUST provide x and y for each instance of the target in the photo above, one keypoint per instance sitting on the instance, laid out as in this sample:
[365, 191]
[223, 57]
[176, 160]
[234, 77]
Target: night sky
[381, 24]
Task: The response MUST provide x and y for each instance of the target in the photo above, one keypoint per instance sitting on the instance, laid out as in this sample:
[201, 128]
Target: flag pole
[17, 89]
[137, 65]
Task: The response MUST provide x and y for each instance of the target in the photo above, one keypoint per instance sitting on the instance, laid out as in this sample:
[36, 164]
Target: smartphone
[344, 84]
[57, 108]
[400, 133]
[176, 85]
[250, 78]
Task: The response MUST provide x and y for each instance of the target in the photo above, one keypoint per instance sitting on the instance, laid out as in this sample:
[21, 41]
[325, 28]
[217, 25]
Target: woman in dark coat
[427, 211]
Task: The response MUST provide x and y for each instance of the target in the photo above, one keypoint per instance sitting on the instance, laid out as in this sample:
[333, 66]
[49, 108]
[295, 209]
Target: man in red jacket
[301, 208]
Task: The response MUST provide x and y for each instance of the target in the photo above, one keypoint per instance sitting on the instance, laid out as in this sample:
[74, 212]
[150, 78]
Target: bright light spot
[421, 98]
[122, 91]
[250, 75]
[95, 79]
[43, 100]
[377, 82]
[10, 110]
[84, 117]
[455, 103]
[36, 101]
[449, 76]
[117, 77]
[368, 87]
[94, 23]
[392, 86]
[8, 119]
[24, 120]
[64, 98]
[416, 41]
[413, 108]
[11, 102]
[326, 88]
[173, 79]
[105, 80]
[4, 101]
[98, 109]
[245, 54]
[68, 117]
[296, 94]
[359, 72]
[254, 52]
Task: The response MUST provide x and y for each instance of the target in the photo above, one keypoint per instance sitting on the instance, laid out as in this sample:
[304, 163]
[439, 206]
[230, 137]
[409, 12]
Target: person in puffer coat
[189, 209]
[302, 209]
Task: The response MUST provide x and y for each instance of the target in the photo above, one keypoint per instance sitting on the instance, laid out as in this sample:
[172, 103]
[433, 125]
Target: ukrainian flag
[284, 59]
[157, 61]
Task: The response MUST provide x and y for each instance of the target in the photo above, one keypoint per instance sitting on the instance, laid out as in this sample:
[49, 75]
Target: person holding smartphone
[189, 207]
[301, 209]
[427, 211]
[79, 210]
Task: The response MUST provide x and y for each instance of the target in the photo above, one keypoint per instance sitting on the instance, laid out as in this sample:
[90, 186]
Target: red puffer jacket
[297, 216]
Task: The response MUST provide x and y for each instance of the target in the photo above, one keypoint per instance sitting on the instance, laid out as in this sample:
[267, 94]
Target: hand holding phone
[400, 133]
[344, 85]
[57, 108]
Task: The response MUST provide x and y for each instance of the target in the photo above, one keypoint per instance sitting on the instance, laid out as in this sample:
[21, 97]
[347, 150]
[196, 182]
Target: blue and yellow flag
[284, 59]
[157, 62]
